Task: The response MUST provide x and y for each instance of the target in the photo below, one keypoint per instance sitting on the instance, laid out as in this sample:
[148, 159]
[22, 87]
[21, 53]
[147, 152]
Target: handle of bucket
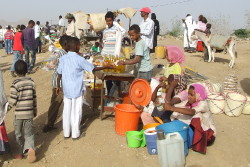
[159, 120]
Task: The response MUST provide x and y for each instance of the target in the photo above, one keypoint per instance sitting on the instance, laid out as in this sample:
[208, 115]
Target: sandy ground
[103, 147]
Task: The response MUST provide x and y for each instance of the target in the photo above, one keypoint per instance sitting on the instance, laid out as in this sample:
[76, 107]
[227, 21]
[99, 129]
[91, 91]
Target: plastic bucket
[177, 126]
[216, 103]
[151, 137]
[135, 139]
[246, 109]
[234, 104]
[126, 118]
[160, 52]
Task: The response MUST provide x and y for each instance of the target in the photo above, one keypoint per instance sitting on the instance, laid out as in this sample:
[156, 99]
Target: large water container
[181, 128]
[171, 150]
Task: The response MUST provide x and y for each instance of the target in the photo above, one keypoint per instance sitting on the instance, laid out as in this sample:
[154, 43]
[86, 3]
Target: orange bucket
[126, 118]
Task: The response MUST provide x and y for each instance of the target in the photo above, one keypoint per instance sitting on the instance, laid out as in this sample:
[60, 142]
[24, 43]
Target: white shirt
[61, 22]
[37, 31]
[147, 31]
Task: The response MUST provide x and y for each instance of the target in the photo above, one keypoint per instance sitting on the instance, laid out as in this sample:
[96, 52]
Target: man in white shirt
[147, 27]
[37, 37]
[61, 25]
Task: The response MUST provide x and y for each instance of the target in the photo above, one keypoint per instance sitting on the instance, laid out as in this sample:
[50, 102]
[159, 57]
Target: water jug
[170, 149]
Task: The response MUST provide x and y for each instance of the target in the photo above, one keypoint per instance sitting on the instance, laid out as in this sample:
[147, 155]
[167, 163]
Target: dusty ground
[103, 147]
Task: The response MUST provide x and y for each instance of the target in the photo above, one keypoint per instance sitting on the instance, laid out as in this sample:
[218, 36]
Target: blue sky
[166, 10]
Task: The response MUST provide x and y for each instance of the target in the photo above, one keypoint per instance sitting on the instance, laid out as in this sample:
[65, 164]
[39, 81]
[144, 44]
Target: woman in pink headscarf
[191, 108]
[175, 57]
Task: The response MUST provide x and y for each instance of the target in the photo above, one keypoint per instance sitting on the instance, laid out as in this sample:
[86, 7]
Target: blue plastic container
[181, 128]
[151, 137]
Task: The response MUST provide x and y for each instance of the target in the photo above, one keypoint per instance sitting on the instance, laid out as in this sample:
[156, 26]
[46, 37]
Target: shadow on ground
[245, 84]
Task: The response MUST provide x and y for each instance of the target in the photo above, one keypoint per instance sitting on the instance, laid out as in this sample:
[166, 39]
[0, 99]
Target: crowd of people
[170, 99]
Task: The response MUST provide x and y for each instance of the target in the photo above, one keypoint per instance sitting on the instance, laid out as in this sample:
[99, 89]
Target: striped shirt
[23, 96]
[55, 74]
[111, 41]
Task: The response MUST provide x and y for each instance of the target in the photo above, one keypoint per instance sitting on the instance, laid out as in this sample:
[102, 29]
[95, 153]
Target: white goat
[228, 43]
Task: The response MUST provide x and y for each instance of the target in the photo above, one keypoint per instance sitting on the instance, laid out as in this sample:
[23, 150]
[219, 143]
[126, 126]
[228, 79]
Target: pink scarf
[175, 54]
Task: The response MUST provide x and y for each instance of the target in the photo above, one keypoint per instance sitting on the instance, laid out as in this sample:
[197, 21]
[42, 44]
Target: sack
[98, 21]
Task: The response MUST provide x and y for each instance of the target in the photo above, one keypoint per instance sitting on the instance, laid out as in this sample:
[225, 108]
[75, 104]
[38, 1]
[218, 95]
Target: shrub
[241, 33]
[176, 29]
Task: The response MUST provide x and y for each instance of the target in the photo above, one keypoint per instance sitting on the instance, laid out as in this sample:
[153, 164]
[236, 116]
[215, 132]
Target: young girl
[8, 39]
[159, 97]
[191, 108]
[175, 57]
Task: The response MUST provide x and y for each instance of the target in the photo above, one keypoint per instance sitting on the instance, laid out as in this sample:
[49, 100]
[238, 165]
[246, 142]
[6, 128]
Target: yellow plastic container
[160, 52]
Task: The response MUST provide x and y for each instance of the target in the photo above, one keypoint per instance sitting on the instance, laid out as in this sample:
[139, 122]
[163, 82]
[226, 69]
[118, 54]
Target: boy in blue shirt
[142, 55]
[70, 71]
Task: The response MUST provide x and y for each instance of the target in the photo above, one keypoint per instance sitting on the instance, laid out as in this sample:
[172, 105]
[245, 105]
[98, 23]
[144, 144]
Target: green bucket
[136, 139]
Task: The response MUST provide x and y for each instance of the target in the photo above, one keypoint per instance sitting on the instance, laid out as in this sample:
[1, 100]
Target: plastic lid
[140, 92]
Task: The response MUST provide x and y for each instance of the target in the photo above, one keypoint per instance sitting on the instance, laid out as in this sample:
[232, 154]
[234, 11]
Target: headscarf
[200, 93]
[175, 54]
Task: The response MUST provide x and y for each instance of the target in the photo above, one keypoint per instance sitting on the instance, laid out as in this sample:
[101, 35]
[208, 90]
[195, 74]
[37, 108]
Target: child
[8, 40]
[70, 70]
[112, 36]
[208, 29]
[23, 96]
[191, 108]
[142, 54]
[111, 43]
[18, 50]
[156, 107]
[95, 48]
[56, 100]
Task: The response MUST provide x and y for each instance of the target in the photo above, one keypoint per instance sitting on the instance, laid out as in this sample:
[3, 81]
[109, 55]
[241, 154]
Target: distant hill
[4, 23]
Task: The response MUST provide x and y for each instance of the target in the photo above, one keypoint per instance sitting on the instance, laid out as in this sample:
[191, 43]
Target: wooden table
[109, 76]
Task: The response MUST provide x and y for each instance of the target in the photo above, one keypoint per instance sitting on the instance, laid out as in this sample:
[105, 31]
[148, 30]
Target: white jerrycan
[171, 150]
